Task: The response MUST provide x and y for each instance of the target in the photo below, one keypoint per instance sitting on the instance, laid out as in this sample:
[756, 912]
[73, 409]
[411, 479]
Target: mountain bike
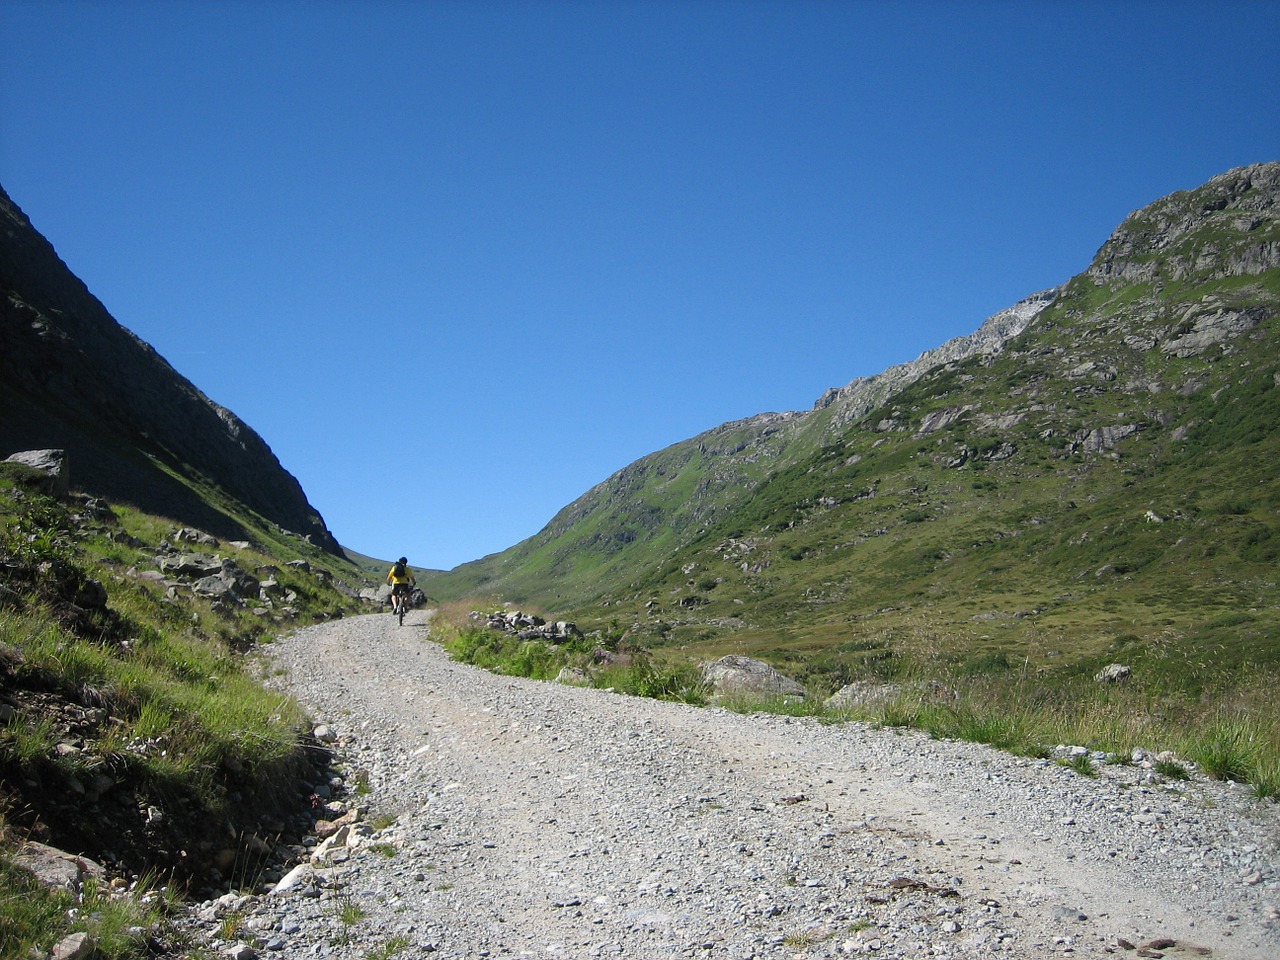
[400, 608]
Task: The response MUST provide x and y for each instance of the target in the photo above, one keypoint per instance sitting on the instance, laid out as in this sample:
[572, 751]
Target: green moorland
[138, 732]
[1007, 559]
[1103, 490]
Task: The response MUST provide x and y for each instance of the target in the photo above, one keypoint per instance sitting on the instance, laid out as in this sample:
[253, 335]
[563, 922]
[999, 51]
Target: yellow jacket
[405, 577]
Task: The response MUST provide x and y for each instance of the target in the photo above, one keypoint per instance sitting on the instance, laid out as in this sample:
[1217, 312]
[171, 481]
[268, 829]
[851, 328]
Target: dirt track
[534, 819]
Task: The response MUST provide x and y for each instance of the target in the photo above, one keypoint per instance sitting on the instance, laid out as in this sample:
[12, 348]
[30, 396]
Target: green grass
[778, 705]
[644, 676]
[33, 918]
[194, 695]
[1232, 748]
[172, 706]
[981, 716]
[1082, 764]
[349, 912]
[1172, 770]
[389, 949]
[502, 653]
[628, 670]
[1264, 777]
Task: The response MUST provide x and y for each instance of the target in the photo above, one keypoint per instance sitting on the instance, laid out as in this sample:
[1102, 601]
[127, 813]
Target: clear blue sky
[459, 262]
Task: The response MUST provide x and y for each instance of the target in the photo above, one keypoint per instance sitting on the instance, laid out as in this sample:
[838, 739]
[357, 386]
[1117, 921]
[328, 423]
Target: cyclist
[402, 583]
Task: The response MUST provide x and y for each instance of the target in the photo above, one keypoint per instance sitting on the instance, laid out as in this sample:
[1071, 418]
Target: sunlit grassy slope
[149, 701]
[1103, 488]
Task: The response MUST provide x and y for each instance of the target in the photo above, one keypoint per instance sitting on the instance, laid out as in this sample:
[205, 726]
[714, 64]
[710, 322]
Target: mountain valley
[1059, 535]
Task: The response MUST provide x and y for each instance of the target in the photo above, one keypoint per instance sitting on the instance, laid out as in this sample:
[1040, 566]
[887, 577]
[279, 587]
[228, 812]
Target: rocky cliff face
[72, 377]
[1226, 228]
[855, 400]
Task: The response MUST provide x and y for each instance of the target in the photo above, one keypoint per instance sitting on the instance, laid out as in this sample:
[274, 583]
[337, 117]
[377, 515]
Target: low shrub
[1227, 749]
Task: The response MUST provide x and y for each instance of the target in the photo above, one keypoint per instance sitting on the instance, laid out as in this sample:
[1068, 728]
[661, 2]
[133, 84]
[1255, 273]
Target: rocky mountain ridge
[133, 428]
[735, 456]
[855, 400]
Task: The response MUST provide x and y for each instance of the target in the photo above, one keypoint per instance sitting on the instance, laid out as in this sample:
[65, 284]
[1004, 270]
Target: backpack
[398, 571]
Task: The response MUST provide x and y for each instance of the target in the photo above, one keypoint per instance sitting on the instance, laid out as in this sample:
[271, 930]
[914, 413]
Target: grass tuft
[1228, 748]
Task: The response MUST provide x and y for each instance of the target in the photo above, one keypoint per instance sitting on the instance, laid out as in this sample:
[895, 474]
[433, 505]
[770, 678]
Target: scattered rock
[529, 626]
[56, 868]
[189, 535]
[574, 676]
[91, 595]
[77, 946]
[1101, 439]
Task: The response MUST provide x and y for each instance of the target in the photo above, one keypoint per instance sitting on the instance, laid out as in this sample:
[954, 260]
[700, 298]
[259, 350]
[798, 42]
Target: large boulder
[736, 675]
[872, 695]
[1114, 673]
[864, 694]
[243, 583]
[191, 565]
[213, 587]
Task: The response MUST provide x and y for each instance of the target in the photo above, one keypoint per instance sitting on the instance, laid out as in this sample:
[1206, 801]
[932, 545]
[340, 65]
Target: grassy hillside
[1103, 489]
[1105, 485]
[134, 728]
[1122, 373]
[1009, 518]
[637, 518]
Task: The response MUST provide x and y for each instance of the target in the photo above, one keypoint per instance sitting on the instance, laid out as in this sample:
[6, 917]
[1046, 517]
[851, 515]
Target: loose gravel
[510, 818]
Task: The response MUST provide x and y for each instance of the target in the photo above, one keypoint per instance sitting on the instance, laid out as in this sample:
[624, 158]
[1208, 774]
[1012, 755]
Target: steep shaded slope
[136, 431]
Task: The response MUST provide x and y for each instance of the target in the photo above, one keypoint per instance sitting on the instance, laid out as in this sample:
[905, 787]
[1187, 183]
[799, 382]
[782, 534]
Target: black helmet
[403, 560]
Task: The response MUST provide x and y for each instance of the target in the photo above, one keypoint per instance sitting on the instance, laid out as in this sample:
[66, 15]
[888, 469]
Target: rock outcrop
[52, 463]
[857, 399]
[1182, 235]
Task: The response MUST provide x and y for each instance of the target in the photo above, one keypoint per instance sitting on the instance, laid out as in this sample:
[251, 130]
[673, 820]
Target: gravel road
[514, 818]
